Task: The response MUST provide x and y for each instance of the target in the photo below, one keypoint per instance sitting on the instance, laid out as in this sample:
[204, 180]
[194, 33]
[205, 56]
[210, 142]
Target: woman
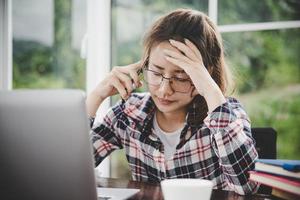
[184, 127]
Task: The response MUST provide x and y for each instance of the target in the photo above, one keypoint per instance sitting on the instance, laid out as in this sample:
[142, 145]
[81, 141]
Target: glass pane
[130, 20]
[47, 37]
[267, 66]
[240, 11]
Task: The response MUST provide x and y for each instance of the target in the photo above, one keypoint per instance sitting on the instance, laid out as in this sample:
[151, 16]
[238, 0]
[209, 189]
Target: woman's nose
[165, 88]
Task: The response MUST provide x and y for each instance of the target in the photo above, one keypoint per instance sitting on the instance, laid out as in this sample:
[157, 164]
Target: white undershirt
[169, 139]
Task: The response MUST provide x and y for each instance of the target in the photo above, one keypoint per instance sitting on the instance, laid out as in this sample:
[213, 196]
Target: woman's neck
[170, 122]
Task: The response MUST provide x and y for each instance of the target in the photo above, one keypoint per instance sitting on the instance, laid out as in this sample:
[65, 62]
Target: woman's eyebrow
[162, 68]
[158, 67]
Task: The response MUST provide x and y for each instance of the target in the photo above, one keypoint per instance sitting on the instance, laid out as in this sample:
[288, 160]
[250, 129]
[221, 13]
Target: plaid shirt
[221, 149]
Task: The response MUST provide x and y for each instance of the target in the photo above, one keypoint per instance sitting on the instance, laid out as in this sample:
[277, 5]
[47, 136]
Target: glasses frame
[146, 68]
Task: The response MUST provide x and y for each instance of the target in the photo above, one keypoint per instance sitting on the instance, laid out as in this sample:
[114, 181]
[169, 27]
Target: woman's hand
[191, 62]
[122, 80]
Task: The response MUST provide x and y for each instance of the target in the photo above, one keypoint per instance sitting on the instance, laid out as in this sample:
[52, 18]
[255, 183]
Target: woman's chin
[166, 108]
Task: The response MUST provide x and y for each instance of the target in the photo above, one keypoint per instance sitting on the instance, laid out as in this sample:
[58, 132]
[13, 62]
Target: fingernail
[133, 86]
[171, 41]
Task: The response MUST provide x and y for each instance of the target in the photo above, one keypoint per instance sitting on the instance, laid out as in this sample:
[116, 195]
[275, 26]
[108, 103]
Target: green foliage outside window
[36, 65]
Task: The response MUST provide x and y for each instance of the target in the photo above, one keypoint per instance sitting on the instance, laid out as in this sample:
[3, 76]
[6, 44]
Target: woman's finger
[137, 65]
[132, 72]
[135, 77]
[183, 65]
[184, 48]
[176, 55]
[193, 47]
[124, 79]
[116, 83]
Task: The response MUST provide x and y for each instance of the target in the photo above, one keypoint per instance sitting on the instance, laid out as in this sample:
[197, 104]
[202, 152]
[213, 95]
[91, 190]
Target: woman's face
[164, 95]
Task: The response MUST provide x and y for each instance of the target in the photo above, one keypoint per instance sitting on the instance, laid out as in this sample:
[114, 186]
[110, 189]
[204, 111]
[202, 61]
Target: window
[46, 43]
[47, 37]
[241, 12]
[268, 82]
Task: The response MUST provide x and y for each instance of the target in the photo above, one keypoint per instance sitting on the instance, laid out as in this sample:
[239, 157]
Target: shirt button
[213, 122]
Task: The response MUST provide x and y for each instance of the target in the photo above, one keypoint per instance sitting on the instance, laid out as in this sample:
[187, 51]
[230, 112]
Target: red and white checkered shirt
[220, 149]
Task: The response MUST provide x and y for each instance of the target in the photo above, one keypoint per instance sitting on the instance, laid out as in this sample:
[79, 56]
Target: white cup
[189, 189]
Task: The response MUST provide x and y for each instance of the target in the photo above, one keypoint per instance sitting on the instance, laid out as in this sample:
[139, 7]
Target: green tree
[36, 65]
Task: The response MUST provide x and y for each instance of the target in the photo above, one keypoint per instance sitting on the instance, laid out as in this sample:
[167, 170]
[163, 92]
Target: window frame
[5, 45]
[262, 26]
[98, 55]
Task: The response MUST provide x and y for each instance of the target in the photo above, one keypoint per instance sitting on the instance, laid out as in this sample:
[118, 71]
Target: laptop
[45, 150]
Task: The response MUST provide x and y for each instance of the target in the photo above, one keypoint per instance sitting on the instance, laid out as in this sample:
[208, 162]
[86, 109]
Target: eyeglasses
[154, 78]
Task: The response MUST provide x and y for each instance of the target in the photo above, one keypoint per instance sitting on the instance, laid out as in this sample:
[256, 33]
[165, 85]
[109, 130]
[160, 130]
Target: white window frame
[213, 10]
[275, 25]
[99, 56]
[259, 26]
[5, 45]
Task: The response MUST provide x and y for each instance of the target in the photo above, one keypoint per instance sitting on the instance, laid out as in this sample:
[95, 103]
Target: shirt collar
[140, 108]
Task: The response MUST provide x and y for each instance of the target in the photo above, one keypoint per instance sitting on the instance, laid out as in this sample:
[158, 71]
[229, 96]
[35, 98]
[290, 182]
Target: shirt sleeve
[105, 134]
[233, 143]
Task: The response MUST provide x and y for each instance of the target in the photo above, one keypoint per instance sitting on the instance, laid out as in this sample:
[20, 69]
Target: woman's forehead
[157, 56]
[163, 45]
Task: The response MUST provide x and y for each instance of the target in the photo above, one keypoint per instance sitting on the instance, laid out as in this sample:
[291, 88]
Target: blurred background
[48, 34]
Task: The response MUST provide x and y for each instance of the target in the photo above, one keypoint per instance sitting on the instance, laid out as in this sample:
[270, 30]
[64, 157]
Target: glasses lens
[181, 85]
[152, 77]
[177, 84]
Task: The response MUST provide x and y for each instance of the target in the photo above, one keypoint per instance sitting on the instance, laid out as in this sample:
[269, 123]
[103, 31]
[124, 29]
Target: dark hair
[199, 29]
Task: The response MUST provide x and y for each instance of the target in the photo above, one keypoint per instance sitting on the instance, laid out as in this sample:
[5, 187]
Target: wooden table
[153, 191]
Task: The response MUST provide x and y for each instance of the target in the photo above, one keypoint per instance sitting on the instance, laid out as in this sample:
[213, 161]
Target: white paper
[115, 193]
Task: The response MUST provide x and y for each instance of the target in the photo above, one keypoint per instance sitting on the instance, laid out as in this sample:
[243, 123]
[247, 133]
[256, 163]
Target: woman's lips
[164, 101]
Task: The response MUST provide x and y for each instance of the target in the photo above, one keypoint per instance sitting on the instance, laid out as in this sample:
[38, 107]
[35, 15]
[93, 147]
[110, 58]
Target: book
[284, 195]
[278, 182]
[288, 168]
[290, 165]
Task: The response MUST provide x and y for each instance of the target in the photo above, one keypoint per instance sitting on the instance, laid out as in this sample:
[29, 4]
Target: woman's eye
[180, 79]
[182, 76]
[156, 74]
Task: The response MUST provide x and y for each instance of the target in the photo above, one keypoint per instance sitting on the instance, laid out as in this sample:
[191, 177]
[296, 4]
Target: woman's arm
[93, 101]
[228, 123]
[105, 135]
[191, 62]
[231, 135]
